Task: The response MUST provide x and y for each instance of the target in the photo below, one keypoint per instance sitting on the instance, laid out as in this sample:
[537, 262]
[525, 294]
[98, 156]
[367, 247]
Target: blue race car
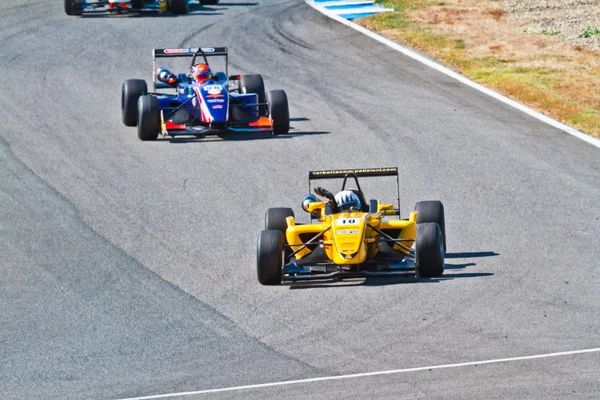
[79, 7]
[203, 103]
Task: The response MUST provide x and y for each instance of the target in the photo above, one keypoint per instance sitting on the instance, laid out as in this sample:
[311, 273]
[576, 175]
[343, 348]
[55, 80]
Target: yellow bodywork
[349, 238]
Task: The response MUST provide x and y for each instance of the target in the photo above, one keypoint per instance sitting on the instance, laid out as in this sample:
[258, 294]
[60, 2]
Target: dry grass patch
[497, 13]
[495, 47]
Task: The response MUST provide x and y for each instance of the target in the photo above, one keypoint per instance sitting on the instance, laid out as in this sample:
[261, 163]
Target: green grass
[402, 5]
[589, 32]
[389, 21]
[550, 33]
[460, 44]
[588, 118]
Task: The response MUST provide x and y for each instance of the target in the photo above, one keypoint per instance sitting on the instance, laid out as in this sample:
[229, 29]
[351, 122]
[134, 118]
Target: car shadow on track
[236, 4]
[237, 137]
[449, 275]
[194, 9]
[472, 254]
[149, 14]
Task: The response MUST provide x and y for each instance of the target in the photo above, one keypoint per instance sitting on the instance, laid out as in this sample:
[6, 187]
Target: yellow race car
[348, 237]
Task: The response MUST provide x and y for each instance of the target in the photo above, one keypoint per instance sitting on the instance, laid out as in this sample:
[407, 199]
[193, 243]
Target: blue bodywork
[208, 104]
[216, 104]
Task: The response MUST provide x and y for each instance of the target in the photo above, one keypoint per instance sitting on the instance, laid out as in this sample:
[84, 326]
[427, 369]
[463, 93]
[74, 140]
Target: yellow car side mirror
[315, 206]
[385, 207]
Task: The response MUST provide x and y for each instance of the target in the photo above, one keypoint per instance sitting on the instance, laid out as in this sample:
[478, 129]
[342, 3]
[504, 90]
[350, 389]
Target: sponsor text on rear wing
[356, 173]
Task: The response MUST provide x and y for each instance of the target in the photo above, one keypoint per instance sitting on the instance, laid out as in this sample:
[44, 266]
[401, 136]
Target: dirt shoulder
[543, 53]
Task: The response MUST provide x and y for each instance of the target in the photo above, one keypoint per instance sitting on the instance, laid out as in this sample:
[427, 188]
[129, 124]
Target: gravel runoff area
[567, 19]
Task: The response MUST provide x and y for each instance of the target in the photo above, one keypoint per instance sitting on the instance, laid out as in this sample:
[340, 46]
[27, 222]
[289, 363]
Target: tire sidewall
[254, 83]
[269, 257]
[179, 7]
[278, 111]
[131, 91]
[68, 7]
[275, 219]
[432, 211]
[148, 118]
[429, 251]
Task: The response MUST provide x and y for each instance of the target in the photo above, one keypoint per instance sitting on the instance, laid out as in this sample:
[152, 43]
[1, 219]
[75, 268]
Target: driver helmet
[347, 200]
[201, 72]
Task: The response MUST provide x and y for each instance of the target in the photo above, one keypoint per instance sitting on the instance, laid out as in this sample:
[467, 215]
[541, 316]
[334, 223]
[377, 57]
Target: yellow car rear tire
[432, 211]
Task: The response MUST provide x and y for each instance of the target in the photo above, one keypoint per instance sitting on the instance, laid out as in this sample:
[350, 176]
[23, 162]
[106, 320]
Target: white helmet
[346, 200]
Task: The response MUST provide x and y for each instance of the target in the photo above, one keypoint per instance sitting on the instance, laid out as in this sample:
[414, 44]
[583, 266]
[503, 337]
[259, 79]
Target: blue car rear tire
[72, 7]
[179, 6]
[253, 83]
[131, 91]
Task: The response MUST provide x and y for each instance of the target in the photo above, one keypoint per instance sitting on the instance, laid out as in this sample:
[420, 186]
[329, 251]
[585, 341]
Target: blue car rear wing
[187, 52]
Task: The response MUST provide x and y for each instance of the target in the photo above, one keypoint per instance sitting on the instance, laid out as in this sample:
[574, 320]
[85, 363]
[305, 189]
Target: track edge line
[367, 374]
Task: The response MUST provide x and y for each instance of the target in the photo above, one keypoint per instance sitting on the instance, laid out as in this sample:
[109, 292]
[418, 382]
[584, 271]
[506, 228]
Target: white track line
[365, 374]
[412, 54]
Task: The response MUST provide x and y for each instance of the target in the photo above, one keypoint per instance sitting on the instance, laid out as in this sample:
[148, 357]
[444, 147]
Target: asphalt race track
[128, 268]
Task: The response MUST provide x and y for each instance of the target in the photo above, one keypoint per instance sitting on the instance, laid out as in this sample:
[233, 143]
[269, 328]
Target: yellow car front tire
[269, 257]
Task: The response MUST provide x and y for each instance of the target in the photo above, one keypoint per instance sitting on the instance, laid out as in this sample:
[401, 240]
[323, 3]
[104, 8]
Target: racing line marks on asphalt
[447, 71]
[366, 374]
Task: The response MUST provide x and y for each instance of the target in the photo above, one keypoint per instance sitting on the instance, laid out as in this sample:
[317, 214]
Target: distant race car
[351, 238]
[79, 7]
[203, 102]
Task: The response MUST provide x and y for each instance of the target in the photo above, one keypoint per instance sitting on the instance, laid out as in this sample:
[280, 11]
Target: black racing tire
[148, 118]
[137, 3]
[71, 8]
[179, 6]
[429, 250]
[279, 111]
[269, 257]
[275, 220]
[253, 83]
[131, 91]
[432, 211]
[209, 2]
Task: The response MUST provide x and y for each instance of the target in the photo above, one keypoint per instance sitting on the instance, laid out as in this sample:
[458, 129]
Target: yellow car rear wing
[356, 173]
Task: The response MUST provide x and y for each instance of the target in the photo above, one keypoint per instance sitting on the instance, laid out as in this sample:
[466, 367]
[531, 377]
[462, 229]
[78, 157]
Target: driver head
[347, 200]
[201, 72]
